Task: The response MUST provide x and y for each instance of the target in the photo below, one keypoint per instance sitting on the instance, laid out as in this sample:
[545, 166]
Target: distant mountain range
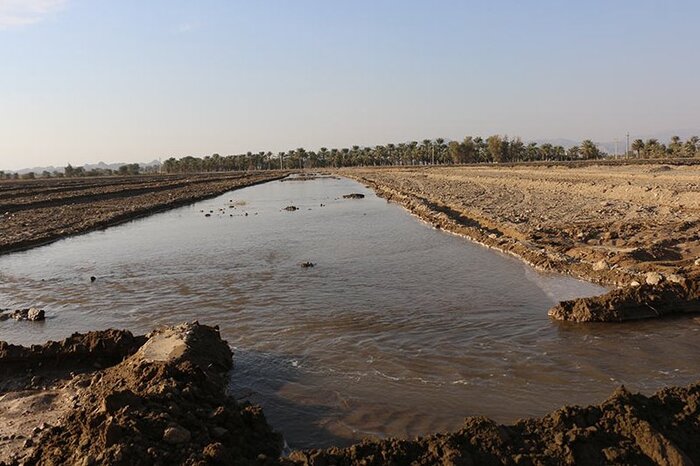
[87, 167]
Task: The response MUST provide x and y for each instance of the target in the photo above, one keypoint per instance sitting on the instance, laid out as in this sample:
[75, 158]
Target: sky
[132, 81]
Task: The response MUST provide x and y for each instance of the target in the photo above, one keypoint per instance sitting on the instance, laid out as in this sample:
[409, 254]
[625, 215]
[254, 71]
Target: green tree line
[652, 148]
[494, 149]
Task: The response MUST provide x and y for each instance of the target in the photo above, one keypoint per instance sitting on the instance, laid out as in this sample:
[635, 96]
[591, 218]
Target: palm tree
[589, 150]
[691, 146]
[322, 155]
[654, 148]
[391, 147]
[638, 147]
[412, 151]
[335, 157]
[281, 157]
[401, 148]
[675, 147]
[425, 147]
[574, 152]
[440, 147]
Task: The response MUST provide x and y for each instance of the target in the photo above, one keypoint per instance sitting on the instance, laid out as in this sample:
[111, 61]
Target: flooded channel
[398, 330]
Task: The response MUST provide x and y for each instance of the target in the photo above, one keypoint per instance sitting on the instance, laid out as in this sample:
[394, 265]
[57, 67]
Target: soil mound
[95, 348]
[631, 303]
[626, 429]
[164, 404]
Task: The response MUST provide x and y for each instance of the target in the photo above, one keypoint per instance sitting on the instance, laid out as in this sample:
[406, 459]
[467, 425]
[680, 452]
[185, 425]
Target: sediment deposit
[616, 225]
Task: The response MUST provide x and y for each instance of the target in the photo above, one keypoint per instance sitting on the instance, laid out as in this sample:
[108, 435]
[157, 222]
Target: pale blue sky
[133, 80]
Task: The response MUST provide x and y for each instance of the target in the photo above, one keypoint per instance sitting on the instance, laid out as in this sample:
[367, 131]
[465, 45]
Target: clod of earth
[32, 314]
[641, 301]
[307, 264]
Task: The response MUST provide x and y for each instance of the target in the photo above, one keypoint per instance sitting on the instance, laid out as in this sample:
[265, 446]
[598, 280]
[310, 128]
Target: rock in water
[354, 196]
[35, 314]
[291, 208]
[32, 314]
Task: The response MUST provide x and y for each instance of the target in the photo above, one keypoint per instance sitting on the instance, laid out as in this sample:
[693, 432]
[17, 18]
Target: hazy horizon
[84, 81]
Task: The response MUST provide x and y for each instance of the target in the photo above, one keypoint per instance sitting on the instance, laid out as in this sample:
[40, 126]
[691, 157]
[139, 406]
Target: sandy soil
[25, 413]
[41, 211]
[616, 225]
[38, 389]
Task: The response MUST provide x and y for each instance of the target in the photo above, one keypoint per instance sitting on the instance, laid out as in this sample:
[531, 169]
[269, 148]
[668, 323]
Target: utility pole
[627, 148]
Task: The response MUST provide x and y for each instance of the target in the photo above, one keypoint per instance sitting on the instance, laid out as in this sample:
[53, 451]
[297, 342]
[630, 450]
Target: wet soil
[41, 211]
[626, 429]
[613, 225]
[164, 403]
[161, 399]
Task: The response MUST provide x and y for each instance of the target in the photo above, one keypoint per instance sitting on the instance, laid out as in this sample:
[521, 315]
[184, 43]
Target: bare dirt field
[636, 227]
[40, 211]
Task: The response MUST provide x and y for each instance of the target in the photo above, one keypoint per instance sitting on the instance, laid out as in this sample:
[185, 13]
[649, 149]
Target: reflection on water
[398, 330]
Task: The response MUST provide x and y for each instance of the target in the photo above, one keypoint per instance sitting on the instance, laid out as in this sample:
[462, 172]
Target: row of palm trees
[652, 148]
[494, 149]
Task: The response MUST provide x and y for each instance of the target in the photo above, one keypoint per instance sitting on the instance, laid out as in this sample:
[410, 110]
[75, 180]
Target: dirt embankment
[164, 403]
[161, 399]
[627, 429]
[41, 211]
[623, 226]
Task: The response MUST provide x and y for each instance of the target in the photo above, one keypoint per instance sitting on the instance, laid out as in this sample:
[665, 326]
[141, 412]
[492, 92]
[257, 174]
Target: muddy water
[398, 330]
